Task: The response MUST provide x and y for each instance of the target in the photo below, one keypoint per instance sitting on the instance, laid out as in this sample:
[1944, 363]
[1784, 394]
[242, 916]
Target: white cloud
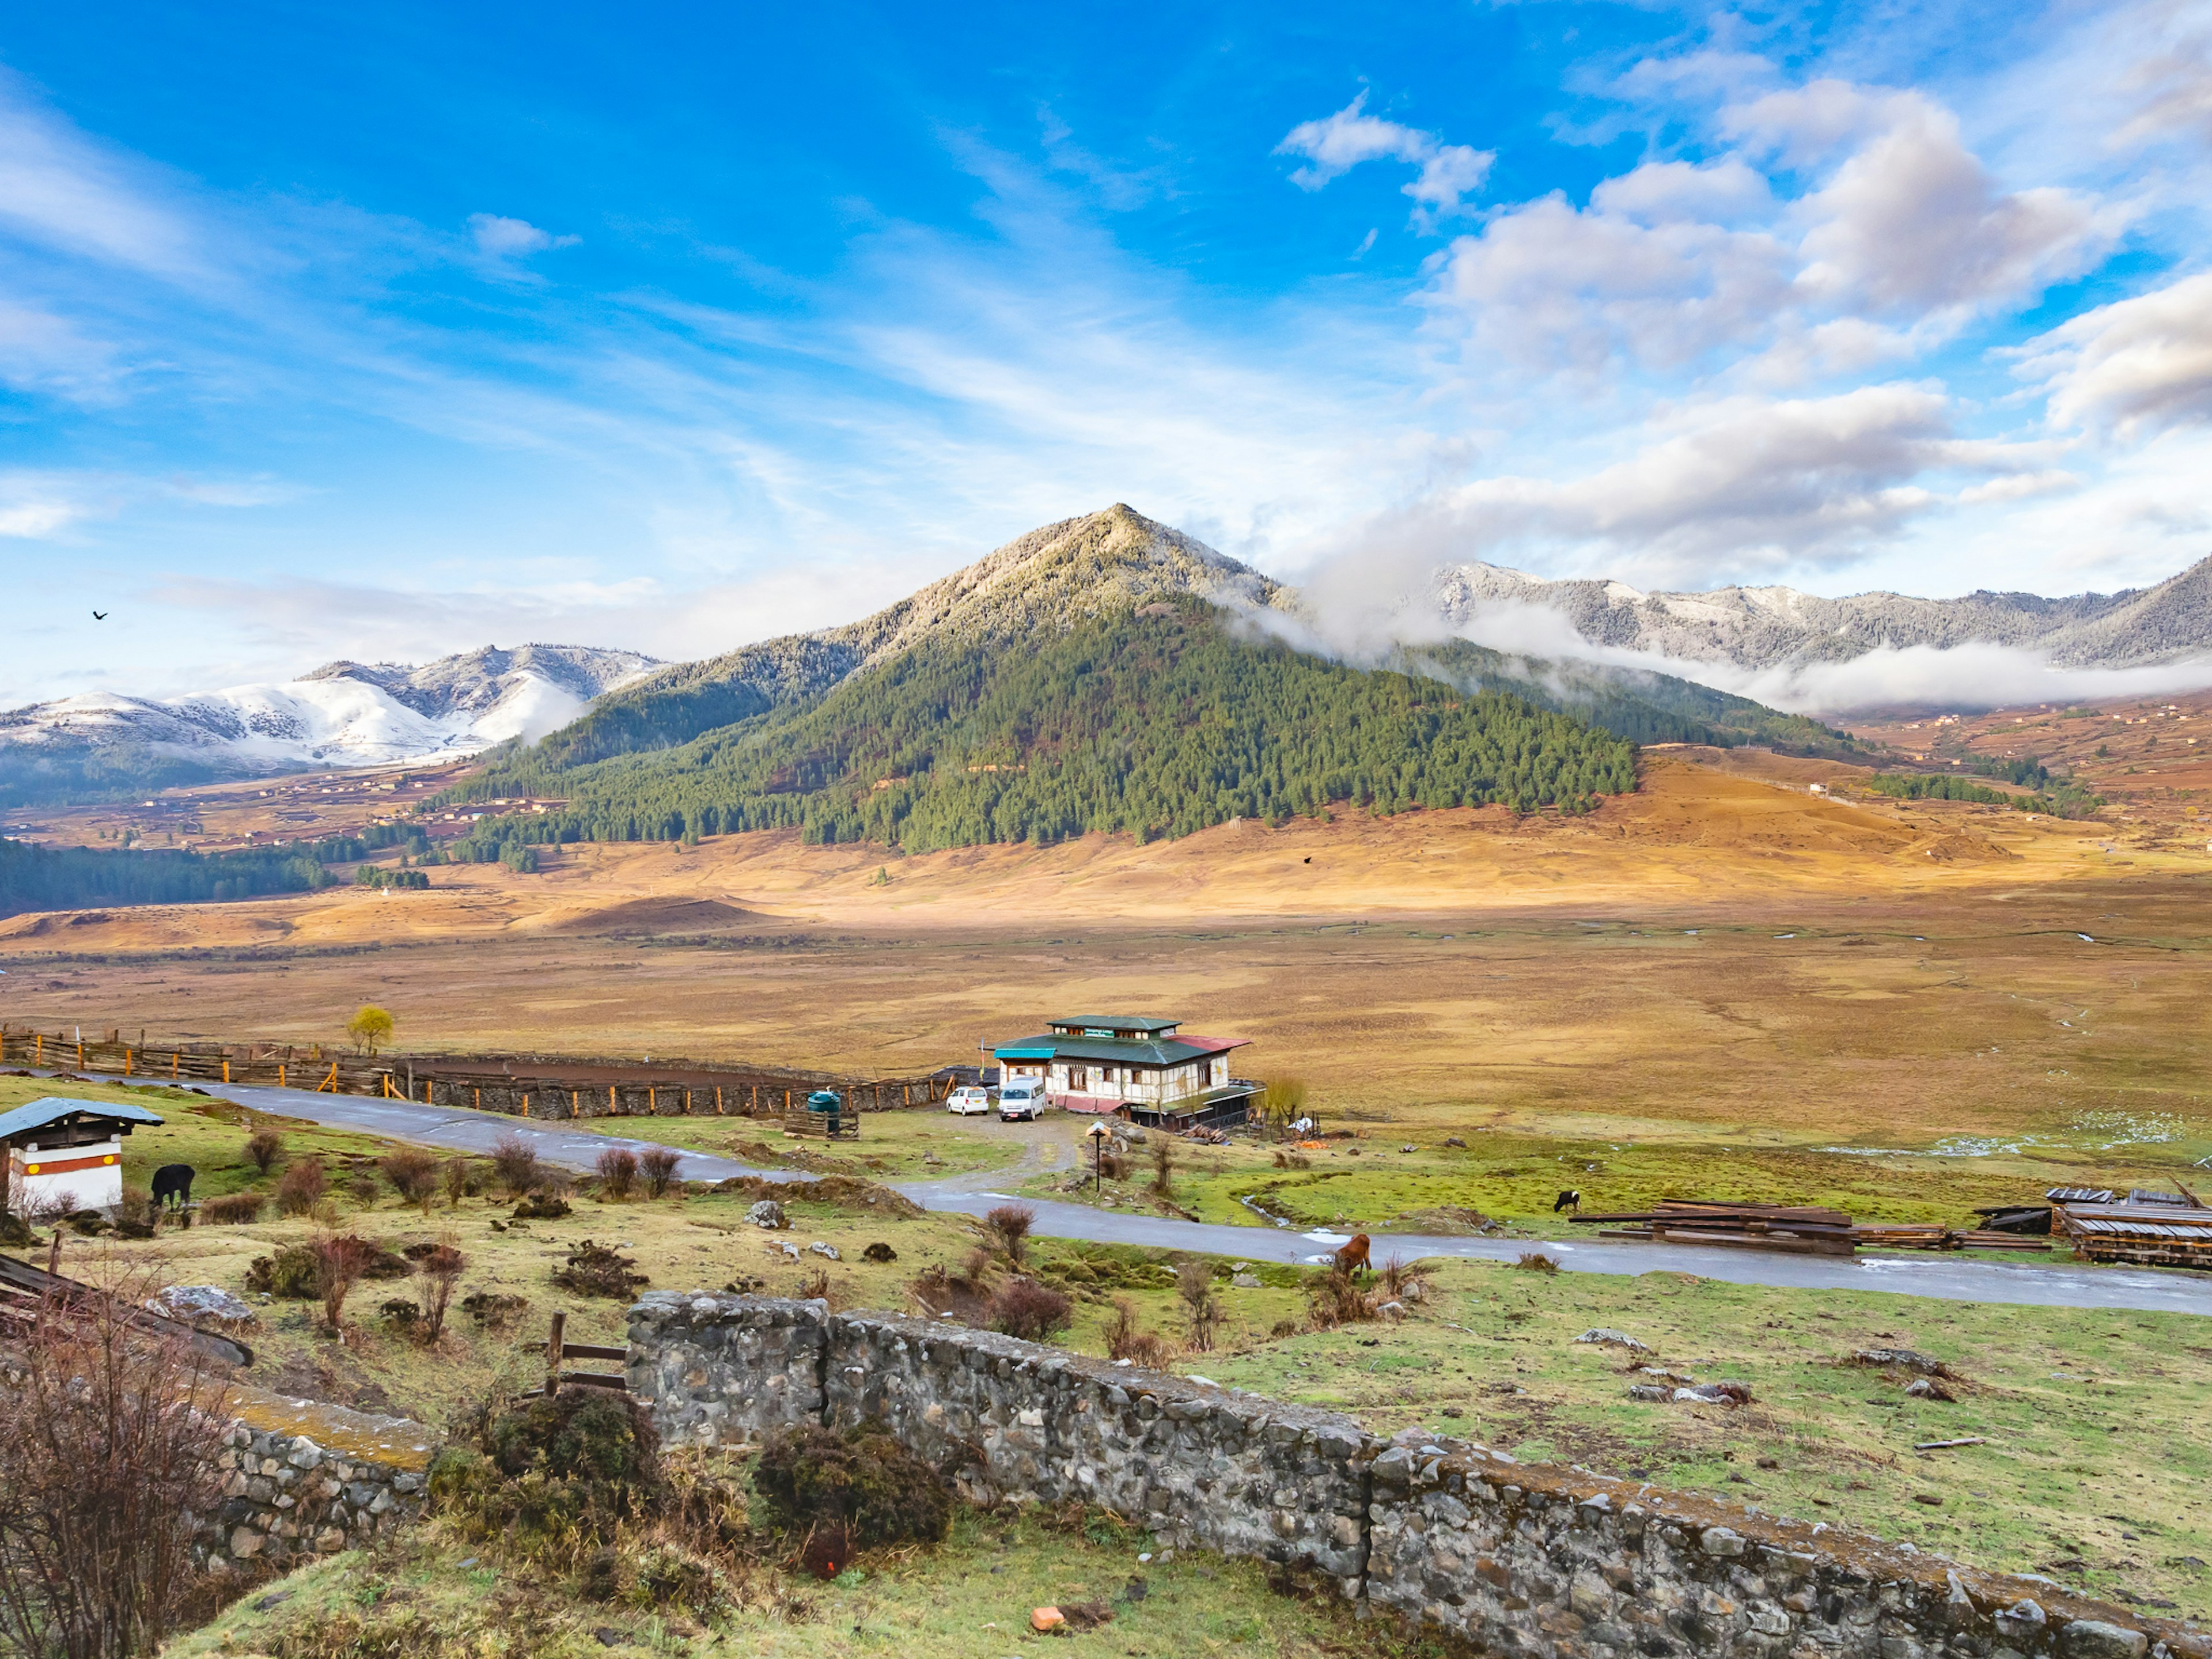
[1911, 222]
[2134, 365]
[1547, 285]
[1744, 484]
[40, 506]
[40, 351]
[60, 190]
[1337, 144]
[500, 238]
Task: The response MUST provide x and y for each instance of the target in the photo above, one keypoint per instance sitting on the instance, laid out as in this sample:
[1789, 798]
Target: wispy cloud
[1446, 174]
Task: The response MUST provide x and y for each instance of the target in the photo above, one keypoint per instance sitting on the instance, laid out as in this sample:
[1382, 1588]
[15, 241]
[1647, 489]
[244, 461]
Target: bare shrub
[234, 1209]
[301, 1188]
[1124, 1341]
[1162, 1163]
[515, 1161]
[860, 1479]
[814, 1286]
[413, 1173]
[136, 1217]
[340, 1261]
[1403, 1281]
[617, 1168]
[440, 1269]
[600, 1270]
[656, 1165]
[1009, 1226]
[108, 1440]
[363, 1185]
[1202, 1310]
[1536, 1261]
[1293, 1160]
[264, 1147]
[1335, 1298]
[453, 1176]
[1034, 1312]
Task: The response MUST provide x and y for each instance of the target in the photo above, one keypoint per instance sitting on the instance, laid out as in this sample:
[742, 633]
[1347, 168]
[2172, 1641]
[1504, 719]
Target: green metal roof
[54, 1108]
[1164, 1051]
[1116, 1023]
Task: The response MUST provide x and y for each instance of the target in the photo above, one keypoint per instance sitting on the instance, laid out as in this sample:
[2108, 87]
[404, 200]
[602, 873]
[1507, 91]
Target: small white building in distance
[1149, 1070]
[67, 1155]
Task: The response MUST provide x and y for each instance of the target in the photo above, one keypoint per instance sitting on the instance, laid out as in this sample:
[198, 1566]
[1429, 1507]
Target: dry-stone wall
[1523, 1559]
[311, 1481]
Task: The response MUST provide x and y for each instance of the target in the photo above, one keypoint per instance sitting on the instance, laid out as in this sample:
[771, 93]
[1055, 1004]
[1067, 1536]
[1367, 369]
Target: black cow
[174, 1181]
[1570, 1199]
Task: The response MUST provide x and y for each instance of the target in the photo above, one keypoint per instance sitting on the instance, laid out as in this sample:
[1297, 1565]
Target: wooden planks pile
[1799, 1229]
[2164, 1230]
[1932, 1235]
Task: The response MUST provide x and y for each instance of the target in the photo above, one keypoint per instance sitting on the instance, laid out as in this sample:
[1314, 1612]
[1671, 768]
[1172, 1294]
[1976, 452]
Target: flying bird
[100, 615]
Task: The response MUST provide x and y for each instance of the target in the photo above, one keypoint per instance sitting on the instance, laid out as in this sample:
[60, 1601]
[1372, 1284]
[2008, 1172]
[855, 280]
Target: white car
[1021, 1098]
[968, 1101]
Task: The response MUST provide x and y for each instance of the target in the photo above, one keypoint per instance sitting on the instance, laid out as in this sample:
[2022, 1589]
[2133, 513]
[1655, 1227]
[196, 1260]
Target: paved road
[2022, 1284]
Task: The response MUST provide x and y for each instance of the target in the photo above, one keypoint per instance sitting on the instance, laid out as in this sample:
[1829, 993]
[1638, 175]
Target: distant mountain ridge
[1104, 672]
[344, 713]
[1759, 628]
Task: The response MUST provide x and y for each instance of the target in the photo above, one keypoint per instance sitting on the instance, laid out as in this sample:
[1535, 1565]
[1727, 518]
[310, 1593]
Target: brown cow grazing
[1353, 1255]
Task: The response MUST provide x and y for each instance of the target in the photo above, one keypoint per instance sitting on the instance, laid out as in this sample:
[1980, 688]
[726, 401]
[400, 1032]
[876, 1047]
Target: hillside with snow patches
[345, 713]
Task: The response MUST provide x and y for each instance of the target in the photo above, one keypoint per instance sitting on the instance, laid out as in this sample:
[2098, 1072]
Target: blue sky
[392, 333]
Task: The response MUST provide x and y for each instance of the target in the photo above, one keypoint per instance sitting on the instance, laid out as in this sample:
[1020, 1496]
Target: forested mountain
[1103, 673]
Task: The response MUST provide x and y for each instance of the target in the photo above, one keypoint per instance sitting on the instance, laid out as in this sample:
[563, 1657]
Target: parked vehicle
[968, 1101]
[1021, 1098]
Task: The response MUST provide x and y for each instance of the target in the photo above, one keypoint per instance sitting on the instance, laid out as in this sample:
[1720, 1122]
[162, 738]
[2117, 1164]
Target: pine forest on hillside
[1148, 724]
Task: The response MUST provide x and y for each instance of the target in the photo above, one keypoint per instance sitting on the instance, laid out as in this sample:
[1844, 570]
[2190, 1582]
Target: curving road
[2020, 1283]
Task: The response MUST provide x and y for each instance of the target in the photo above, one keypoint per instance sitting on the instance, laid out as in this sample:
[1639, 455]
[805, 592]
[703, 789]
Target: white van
[1020, 1098]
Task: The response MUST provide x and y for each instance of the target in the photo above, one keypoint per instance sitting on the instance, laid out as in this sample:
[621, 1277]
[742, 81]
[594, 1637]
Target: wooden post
[40, 1041]
[478, 1094]
[173, 1060]
[576, 1103]
[280, 1073]
[226, 1068]
[554, 1344]
[718, 1100]
[126, 1060]
[54, 1252]
[610, 1102]
[331, 1082]
[80, 1055]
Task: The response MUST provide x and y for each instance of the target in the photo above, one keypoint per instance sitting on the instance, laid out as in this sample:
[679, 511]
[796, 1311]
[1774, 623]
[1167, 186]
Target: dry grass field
[1723, 959]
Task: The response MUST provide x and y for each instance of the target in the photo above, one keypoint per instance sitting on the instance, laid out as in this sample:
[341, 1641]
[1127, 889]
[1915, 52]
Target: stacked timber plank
[1799, 1229]
[1932, 1235]
[2172, 1229]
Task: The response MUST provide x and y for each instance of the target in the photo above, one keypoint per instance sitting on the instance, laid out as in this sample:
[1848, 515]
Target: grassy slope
[2091, 1415]
[970, 1597]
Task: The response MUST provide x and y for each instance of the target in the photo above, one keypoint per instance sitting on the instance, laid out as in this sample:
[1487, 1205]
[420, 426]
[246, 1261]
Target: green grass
[893, 1145]
[2093, 1419]
[969, 1598]
[1373, 1183]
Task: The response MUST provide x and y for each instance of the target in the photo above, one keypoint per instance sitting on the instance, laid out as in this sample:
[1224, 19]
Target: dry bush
[1335, 1298]
[814, 1286]
[301, 1188]
[136, 1216]
[340, 1261]
[108, 1440]
[1034, 1312]
[453, 1176]
[1113, 1164]
[656, 1166]
[363, 1185]
[861, 1479]
[947, 1295]
[264, 1147]
[1009, 1226]
[515, 1161]
[413, 1173]
[599, 1270]
[1201, 1309]
[1162, 1162]
[1402, 1281]
[234, 1209]
[1124, 1341]
[1536, 1261]
[441, 1268]
[617, 1168]
[1293, 1160]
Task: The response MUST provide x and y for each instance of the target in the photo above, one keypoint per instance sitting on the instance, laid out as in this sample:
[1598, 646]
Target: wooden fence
[549, 1088]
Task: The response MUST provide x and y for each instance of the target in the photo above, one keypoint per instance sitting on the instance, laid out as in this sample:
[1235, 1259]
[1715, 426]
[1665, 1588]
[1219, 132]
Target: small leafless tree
[617, 1168]
[657, 1164]
[263, 1148]
[441, 1271]
[1201, 1309]
[108, 1439]
[1162, 1163]
[340, 1260]
[413, 1173]
[515, 1160]
[301, 1188]
[1010, 1225]
[454, 1173]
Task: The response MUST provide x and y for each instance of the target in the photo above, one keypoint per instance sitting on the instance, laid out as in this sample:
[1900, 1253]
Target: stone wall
[1525, 1558]
[301, 1480]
